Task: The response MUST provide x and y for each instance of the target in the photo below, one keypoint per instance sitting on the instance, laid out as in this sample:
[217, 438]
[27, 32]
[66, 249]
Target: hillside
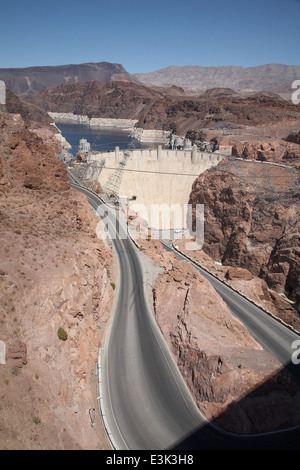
[252, 222]
[272, 77]
[53, 274]
[31, 80]
[218, 111]
[192, 79]
[97, 99]
[218, 108]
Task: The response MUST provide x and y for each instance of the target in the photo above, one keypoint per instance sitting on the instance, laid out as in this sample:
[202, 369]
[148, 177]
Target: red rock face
[17, 353]
[26, 160]
[118, 100]
[252, 220]
[276, 151]
[53, 273]
[155, 108]
[32, 116]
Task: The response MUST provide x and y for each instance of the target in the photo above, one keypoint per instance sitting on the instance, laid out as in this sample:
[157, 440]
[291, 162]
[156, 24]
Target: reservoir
[101, 139]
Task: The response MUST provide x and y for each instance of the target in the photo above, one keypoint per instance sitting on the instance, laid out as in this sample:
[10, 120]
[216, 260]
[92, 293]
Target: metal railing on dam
[191, 156]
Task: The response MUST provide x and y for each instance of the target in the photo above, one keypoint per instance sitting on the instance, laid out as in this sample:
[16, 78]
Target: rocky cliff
[252, 222]
[118, 100]
[35, 119]
[55, 300]
[157, 109]
[281, 151]
[219, 110]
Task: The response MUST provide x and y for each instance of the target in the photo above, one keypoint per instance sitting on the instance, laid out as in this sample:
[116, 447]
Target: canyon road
[145, 400]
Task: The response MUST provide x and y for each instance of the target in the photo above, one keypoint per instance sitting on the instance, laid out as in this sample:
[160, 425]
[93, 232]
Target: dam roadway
[145, 400]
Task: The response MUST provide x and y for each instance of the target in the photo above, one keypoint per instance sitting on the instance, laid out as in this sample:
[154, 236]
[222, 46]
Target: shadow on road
[273, 406]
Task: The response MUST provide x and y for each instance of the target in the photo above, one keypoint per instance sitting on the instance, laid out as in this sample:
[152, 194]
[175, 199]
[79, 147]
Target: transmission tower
[81, 170]
[112, 186]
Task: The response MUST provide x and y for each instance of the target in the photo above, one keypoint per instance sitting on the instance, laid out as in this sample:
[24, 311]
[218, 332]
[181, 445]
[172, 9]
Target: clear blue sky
[148, 35]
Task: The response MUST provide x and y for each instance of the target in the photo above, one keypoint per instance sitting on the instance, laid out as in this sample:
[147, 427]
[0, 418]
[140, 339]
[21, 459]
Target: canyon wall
[158, 109]
[252, 222]
[55, 300]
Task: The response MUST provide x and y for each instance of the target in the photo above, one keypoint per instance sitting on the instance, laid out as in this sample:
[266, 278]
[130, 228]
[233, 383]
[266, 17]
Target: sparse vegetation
[36, 420]
[62, 334]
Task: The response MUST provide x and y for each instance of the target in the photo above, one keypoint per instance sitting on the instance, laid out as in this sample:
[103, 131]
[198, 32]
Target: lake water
[101, 139]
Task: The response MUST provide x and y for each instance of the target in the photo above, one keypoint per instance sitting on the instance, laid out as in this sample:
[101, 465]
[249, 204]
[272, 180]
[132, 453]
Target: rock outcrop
[35, 119]
[294, 137]
[55, 273]
[154, 109]
[252, 221]
[252, 287]
[26, 160]
[95, 99]
[276, 151]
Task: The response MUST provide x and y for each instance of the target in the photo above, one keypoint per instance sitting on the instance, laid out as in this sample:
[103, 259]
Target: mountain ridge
[269, 77]
[195, 79]
[31, 80]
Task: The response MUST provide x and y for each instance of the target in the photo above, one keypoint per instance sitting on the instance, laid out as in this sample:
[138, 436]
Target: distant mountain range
[32, 80]
[276, 78]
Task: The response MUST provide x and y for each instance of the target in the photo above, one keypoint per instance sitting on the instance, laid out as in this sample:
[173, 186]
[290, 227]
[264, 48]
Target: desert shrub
[62, 334]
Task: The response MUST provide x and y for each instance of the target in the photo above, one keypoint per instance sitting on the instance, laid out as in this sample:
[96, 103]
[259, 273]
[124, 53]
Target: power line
[151, 172]
[195, 175]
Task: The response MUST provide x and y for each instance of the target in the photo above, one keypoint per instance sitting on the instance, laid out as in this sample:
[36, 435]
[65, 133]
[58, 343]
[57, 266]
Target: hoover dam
[156, 182]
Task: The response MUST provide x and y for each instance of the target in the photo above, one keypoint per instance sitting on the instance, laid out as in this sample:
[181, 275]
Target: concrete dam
[156, 182]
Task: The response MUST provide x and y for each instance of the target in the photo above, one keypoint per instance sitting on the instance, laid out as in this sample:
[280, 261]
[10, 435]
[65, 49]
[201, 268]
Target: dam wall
[140, 157]
[154, 179]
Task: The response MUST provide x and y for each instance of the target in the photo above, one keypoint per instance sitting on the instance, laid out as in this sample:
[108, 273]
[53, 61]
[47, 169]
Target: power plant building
[84, 149]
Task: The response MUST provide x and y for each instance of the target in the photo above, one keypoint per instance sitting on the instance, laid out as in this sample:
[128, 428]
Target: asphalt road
[146, 402]
[269, 332]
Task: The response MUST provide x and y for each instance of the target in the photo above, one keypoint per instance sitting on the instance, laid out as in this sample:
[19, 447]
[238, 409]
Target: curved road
[146, 402]
[269, 332]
